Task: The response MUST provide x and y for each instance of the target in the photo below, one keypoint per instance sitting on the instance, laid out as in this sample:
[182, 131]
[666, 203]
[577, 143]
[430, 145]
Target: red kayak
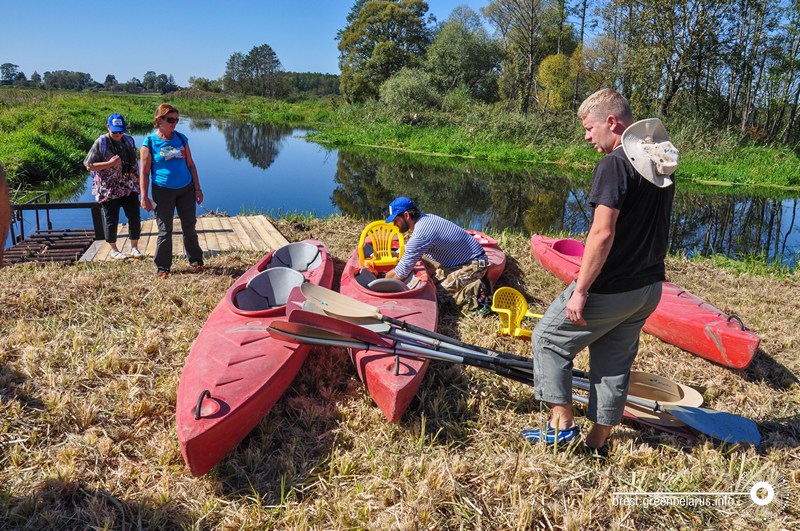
[235, 371]
[497, 257]
[681, 319]
[393, 386]
[391, 382]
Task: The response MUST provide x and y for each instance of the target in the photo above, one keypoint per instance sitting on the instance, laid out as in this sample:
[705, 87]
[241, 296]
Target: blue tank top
[169, 168]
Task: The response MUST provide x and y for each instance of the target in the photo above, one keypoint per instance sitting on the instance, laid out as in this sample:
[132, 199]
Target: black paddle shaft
[403, 325]
[445, 340]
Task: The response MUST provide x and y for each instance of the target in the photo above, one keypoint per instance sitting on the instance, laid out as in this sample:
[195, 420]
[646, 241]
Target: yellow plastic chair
[381, 236]
[510, 305]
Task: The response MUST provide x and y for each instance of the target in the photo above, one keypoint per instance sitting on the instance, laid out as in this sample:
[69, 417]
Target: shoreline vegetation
[91, 356]
[44, 135]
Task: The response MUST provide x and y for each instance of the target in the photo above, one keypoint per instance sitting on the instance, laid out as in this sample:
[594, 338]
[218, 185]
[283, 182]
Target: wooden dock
[216, 234]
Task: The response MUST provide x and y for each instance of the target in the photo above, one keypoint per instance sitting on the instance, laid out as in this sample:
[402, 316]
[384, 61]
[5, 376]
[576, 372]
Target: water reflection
[473, 195]
[545, 199]
[259, 144]
[737, 226]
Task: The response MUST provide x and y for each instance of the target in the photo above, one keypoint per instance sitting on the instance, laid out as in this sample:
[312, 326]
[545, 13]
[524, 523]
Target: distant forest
[282, 84]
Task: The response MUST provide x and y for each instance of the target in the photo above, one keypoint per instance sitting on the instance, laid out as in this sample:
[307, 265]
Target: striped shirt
[443, 241]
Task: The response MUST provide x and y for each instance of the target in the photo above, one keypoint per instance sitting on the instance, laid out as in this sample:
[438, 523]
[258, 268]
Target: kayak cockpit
[268, 289]
[367, 280]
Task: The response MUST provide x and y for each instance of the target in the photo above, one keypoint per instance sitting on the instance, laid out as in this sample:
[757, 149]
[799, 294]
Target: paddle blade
[717, 424]
[296, 332]
[338, 326]
[370, 323]
[336, 303]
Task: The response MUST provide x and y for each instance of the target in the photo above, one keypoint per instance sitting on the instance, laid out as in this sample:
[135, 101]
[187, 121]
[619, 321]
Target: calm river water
[247, 168]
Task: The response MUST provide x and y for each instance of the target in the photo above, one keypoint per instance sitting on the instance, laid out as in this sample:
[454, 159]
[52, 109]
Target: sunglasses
[170, 120]
[117, 132]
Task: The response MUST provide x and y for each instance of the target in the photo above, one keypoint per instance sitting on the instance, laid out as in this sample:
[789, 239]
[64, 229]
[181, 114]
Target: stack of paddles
[328, 318]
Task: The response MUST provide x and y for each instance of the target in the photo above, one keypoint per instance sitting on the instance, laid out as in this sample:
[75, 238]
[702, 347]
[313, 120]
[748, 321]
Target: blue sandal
[550, 435]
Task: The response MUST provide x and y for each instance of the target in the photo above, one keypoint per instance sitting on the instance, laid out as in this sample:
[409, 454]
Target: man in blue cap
[454, 257]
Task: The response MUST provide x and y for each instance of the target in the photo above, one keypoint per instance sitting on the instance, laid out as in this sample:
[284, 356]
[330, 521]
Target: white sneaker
[115, 254]
[136, 253]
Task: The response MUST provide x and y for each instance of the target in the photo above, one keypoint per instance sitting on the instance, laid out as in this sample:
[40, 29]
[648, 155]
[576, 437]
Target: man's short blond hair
[606, 102]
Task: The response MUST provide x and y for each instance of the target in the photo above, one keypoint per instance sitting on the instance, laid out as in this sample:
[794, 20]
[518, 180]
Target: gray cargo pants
[613, 324]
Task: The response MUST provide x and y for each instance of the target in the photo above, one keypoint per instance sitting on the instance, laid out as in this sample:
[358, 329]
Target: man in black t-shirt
[619, 283]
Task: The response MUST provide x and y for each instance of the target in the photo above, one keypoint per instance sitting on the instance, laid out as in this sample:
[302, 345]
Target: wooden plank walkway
[216, 234]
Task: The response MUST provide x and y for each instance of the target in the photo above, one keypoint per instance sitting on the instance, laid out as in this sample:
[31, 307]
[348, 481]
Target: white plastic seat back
[269, 289]
[367, 279]
[300, 256]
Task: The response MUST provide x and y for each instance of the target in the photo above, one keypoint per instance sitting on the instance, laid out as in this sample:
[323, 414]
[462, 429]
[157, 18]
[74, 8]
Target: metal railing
[35, 205]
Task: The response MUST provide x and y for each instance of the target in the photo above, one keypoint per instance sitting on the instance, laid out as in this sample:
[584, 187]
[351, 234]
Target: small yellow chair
[510, 305]
[381, 235]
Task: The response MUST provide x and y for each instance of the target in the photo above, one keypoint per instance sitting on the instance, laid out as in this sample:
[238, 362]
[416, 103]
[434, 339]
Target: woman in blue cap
[115, 182]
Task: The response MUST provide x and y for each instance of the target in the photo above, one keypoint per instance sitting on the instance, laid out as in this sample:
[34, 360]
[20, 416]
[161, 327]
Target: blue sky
[178, 37]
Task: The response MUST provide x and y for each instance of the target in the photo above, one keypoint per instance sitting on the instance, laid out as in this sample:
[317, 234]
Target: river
[246, 169]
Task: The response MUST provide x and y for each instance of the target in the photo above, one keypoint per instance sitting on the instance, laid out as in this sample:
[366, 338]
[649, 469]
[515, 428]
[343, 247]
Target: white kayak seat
[272, 285]
[388, 285]
[250, 301]
[367, 279]
[300, 256]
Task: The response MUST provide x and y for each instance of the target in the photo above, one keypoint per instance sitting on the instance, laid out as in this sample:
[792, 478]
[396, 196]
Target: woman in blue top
[165, 156]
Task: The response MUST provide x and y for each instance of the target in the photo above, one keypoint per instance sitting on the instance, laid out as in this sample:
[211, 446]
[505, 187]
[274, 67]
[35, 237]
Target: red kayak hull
[497, 257]
[243, 369]
[681, 318]
[391, 385]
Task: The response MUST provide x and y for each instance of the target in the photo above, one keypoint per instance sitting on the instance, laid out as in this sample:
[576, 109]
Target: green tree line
[726, 63]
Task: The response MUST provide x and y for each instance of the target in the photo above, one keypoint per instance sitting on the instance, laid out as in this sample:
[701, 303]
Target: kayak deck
[681, 318]
[392, 381]
[235, 372]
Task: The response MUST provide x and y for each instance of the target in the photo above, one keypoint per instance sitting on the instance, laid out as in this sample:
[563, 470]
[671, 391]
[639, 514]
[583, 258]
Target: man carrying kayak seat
[452, 256]
[619, 283]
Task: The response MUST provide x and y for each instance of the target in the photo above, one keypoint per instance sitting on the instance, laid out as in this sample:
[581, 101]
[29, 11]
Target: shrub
[410, 89]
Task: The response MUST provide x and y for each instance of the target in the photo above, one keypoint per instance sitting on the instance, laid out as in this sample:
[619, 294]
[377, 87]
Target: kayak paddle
[343, 306]
[300, 333]
[725, 427]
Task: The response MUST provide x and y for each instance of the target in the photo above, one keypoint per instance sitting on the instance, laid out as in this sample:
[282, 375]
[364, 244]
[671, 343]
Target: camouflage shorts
[459, 285]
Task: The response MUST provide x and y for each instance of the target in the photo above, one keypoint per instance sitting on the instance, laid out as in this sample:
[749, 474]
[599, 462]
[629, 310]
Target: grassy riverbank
[484, 132]
[91, 355]
[44, 136]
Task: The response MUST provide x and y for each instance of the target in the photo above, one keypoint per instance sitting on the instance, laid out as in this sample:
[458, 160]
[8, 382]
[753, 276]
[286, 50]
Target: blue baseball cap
[398, 206]
[116, 123]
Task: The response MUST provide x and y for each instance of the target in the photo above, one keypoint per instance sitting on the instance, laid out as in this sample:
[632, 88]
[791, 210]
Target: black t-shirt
[641, 236]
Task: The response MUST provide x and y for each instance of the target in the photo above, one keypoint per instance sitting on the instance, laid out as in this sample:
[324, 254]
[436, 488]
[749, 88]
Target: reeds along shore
[91, 354]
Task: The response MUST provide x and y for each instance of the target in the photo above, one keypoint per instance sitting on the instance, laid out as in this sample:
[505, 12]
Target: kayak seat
[388, 285]
[268, 289]
[300, 256]
[380, 250]
[367, 279]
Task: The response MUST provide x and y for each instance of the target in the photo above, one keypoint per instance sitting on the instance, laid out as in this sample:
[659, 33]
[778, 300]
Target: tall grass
[708, 154]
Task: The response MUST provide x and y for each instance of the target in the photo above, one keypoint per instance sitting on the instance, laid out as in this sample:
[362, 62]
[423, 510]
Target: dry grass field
[91, 356]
